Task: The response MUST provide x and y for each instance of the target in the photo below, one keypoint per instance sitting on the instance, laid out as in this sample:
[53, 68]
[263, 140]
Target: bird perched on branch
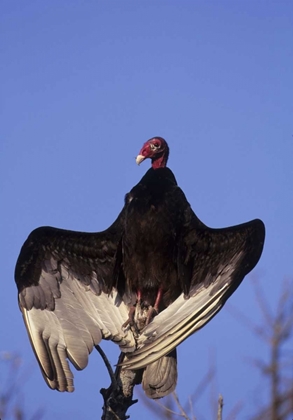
[150, 280]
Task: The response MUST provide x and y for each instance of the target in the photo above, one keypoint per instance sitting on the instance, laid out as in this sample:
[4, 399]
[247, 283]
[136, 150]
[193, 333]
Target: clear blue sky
[85, 83]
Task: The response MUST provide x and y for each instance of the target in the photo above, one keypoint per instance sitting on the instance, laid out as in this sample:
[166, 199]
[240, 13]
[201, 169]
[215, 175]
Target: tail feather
[160, 377]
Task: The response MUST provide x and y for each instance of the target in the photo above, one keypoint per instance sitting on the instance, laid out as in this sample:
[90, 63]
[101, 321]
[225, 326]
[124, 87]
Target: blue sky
[85, 84]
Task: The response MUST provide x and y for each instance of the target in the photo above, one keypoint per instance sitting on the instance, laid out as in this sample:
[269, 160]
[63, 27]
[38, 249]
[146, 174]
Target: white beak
[139, 159]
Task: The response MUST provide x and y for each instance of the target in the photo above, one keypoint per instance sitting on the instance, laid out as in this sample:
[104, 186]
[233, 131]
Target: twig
[277, 330]
[220, 407]
[203, 384]
[169, 410]
[182, 411]
[108, 366]
[191, 409]
[263, 304]
[233, 414]
[258, 331]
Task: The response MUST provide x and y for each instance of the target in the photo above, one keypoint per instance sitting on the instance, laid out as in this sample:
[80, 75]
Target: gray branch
[118, 397]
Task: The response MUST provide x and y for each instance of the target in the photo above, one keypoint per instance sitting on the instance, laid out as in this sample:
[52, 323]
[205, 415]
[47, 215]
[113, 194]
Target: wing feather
[65, 300]
[172, 326]
[218, 259]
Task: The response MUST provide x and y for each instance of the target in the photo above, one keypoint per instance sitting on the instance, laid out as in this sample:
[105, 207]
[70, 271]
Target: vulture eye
[155, 146]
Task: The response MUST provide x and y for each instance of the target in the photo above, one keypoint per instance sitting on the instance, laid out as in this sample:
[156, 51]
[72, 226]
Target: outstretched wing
[63, 280]
[216, 261]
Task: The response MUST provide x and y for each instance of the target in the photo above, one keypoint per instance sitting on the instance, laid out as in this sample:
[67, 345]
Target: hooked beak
[139, 159]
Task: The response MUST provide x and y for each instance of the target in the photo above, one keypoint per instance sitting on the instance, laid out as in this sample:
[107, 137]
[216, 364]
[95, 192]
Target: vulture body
[154, 277]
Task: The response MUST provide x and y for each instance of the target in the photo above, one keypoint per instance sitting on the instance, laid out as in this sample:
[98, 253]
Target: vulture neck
[160, 162]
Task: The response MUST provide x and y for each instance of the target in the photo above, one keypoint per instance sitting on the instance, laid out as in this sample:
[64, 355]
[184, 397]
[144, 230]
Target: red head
[157, 150]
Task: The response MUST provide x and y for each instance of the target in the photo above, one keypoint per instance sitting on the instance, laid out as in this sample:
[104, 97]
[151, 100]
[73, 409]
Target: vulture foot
[130, 321]
[153, 311]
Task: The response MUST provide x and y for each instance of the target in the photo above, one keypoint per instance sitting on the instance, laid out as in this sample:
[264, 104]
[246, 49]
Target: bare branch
[258, 331]
[169, 410]
[191, 409]
[220, 407]
[263, 304]
[233, 414]
[279, 328]
[203, 384]
[182, 411]
[108, 365]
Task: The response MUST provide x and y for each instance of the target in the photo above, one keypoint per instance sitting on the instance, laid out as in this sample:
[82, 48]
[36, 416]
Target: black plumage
[76, 288]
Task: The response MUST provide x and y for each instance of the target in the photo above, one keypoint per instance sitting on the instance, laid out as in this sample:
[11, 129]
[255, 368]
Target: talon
[131, 314]
[130, 320]
[153, 311]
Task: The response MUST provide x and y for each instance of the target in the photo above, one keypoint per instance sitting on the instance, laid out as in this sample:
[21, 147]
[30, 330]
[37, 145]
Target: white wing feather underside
[181, 319]
[65, 319]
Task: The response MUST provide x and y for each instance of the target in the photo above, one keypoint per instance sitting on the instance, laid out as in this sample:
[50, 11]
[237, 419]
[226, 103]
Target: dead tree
[276, 329]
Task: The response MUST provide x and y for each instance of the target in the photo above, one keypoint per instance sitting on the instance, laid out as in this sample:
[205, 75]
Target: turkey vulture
[150, 280]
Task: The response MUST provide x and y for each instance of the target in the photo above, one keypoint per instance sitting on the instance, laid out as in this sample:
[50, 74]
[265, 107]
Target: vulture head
[157, 150]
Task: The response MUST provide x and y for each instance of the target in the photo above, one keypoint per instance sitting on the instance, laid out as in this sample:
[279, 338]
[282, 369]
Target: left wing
[217, 261]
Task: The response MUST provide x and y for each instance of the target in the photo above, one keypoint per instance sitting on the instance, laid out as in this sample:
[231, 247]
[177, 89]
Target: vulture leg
[154, 310]
[131, 314]
[130, 320]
